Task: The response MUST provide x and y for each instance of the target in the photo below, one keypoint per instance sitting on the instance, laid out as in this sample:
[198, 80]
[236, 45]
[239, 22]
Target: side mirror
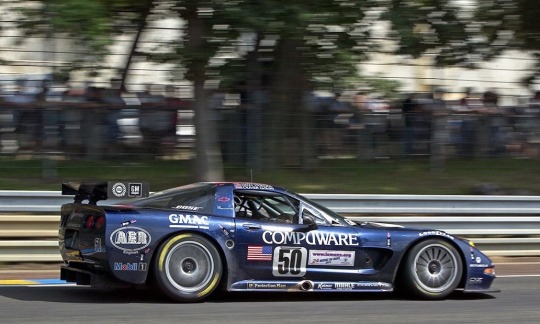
[310, 222]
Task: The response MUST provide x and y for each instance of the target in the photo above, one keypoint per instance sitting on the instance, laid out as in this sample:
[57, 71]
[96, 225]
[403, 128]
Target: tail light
[89, 222]
[99, 222]
[94, 222]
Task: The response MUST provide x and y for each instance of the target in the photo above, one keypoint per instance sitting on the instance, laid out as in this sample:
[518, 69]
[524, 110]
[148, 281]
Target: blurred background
[361, 96]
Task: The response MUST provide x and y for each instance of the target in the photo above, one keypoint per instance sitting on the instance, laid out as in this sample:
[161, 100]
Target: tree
[301, 43]
[508, 25]
[297, 48]
[434, 27]
[91, 25]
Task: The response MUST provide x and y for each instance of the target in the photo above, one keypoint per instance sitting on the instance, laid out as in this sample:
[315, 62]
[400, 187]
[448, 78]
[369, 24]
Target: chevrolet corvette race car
[191, 240]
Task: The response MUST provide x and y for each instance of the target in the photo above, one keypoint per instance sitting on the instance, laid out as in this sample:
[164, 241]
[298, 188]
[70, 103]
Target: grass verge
[512, 176]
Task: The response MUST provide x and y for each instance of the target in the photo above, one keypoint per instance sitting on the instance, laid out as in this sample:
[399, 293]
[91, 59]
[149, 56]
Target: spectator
[468, 107]
[531, 125]
[94, 125]
[38, 115]
[338, 114]
[173, 106]
[496, 142]
[72, 120]
[439, 135]
[409, 109]
[154, 121]
[112, 98]
[23, 105]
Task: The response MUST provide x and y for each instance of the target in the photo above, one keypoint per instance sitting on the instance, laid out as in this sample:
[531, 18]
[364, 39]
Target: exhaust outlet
[306, 285]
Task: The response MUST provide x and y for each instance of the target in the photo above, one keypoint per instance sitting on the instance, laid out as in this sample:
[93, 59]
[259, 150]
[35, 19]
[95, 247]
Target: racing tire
[188, 268]
[432, 269]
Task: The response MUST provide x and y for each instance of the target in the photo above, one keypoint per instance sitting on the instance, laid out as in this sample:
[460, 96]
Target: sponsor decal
[188, 207]
[479, 265]
[224, 230]
[388, 239]
[344, 286]
[478, 259]
[224, 199]
[253, 285]
[128, 189]
[259, 253]
[331, 258]
[439, 233]
[325, 286]
[135, 190]
[347, 286]
[133, 221]
[130, 239]
[119, 189]
[289, 261]
[249, 185]
[97, 245]
[476, 280]
[133, 266]
[189, 221]
[310, 238]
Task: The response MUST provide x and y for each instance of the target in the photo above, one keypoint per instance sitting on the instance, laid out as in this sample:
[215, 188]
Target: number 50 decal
[289, 261]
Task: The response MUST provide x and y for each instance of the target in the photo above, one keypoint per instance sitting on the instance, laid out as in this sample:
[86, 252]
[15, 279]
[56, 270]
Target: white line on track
[519, 276]
[514, 263]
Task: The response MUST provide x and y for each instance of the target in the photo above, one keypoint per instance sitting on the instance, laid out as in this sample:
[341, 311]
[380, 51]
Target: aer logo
[130, 239]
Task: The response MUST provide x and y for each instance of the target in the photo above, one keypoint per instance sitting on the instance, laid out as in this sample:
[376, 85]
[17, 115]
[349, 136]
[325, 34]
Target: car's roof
[238, 185]
[248, 185]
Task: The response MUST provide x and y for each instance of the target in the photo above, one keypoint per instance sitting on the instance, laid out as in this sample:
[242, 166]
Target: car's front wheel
[188, 267]
[433, 269]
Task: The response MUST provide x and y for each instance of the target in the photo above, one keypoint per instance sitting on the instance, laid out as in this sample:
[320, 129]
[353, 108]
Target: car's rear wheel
[188, 267]
[433, 269]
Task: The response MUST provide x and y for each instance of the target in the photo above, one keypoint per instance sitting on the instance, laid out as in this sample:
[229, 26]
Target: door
[282, 238]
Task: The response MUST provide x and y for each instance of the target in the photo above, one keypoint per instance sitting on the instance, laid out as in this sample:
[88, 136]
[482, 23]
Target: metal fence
[500, 225]
[100, 131]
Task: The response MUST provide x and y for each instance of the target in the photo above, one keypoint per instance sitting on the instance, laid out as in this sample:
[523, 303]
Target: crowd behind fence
[99, 123]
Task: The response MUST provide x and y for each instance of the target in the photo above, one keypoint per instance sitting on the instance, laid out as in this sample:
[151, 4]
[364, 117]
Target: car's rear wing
[95, 191]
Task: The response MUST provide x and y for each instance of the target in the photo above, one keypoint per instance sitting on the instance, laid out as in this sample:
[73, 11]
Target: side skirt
[315, 286]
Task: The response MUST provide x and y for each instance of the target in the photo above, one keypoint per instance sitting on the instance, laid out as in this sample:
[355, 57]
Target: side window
[264, 206]
[196, 199]
[308, 211]
[202, 204]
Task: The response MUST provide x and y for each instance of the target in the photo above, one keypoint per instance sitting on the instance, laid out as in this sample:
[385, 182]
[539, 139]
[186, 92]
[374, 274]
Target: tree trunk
[286, 111]
[209, 165]
[140, 29]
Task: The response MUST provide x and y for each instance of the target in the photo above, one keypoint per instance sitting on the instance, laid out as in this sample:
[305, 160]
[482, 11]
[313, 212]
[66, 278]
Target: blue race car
[194, 239]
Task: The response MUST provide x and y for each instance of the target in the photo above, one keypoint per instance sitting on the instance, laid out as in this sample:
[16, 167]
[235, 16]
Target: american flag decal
[259, 253]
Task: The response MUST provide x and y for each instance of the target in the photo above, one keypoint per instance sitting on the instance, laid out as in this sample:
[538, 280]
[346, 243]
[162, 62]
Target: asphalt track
[39, 301]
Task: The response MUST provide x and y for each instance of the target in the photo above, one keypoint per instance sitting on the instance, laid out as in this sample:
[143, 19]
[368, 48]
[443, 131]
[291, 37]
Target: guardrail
[499, 225]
